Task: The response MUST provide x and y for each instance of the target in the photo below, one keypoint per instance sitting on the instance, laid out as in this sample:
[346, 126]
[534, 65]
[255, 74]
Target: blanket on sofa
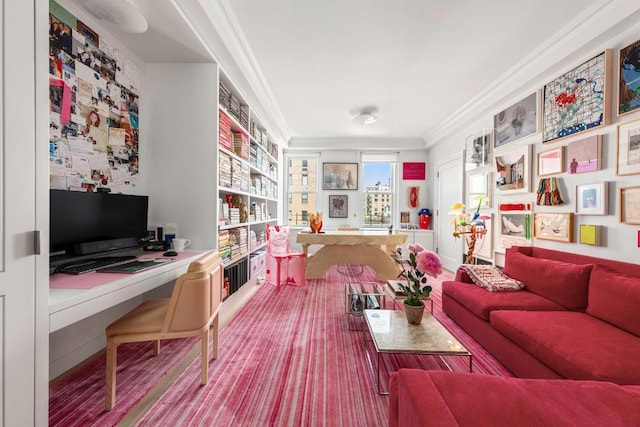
[491, 278]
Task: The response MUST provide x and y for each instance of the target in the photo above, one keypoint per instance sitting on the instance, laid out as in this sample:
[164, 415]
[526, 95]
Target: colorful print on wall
[579, 100]
[518, 121]
[629, 90]
[93, 120]
[584, 155]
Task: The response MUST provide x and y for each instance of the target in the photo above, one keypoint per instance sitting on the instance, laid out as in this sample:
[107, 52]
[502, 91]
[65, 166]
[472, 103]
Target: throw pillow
[491, 279]
[615, 298]
[561, 282]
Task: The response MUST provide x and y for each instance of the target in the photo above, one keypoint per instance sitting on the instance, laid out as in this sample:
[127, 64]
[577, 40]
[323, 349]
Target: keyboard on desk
[93, 264]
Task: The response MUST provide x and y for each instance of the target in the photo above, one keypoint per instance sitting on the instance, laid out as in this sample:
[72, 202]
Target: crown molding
[576, 35]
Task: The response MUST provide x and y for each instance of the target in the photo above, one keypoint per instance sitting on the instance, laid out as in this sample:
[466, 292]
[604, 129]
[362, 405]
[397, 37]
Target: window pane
[377, 199]
[302, 189]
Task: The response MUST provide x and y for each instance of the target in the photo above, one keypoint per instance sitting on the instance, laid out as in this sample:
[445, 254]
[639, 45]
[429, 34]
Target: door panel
[450, 189]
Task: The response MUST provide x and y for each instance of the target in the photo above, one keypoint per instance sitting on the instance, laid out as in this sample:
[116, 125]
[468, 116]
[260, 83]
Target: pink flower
[429, 263]
[415, 248]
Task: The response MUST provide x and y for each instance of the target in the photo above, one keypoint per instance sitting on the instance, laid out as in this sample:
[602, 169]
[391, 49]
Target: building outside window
[303, 188]
[378, 193]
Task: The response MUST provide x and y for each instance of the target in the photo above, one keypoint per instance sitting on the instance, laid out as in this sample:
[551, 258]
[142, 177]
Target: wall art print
[584, 155]
[93, 117]
[338, 206]
[578, 100]
[339, 176]
[513, 170]
[478, 148]
[628, 148]
[516, 122]
[629, 89]
[553, 226]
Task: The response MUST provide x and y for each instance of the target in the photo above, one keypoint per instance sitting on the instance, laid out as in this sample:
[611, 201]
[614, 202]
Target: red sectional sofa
[577, 318]
[438, 398]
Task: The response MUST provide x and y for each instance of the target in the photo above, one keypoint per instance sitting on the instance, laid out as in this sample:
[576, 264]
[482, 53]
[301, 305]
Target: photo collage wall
[94, 116]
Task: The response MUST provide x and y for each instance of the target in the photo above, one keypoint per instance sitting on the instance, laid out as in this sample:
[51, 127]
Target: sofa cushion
[481, 302]
[615, 298]
[558, 281]
[576, 345]
[484, 400]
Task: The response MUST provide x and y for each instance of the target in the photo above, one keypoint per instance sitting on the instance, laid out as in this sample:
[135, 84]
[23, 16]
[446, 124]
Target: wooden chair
[192, 310]
[347, 267]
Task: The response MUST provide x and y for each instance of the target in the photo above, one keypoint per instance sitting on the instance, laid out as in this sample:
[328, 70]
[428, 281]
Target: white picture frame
[513, 170]
[592, 199]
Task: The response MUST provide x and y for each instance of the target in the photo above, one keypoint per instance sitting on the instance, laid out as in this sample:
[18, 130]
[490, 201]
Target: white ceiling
[313, 64]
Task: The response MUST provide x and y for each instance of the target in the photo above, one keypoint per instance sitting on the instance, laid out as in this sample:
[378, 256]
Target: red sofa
[577, 318]
[440, 398]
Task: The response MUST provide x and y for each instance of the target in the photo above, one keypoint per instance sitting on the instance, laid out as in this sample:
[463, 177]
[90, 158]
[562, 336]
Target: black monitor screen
[81, 217]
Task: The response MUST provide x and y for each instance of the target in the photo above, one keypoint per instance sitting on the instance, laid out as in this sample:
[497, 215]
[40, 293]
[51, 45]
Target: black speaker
[104, 246]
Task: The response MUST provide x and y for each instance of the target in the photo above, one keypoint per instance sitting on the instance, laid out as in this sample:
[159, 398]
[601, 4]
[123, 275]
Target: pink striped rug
[289, 359]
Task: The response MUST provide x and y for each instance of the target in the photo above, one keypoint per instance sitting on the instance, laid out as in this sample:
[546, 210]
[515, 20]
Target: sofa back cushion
[561, 282]
[615, 298]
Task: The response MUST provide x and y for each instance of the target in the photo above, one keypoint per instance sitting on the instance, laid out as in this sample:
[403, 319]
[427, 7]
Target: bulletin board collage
[94, 117]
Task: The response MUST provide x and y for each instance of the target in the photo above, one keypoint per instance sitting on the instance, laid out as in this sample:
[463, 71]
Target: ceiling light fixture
[366, 116]
[120, 13]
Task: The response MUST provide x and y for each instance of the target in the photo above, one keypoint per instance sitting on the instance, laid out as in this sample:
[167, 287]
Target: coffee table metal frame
[402, 338]
[363, 289]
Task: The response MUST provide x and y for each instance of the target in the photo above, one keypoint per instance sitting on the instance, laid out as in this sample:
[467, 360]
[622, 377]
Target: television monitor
[78, 218]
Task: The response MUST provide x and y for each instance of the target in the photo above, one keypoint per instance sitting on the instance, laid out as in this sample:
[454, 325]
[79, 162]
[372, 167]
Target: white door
[18, 365]
[450, 191]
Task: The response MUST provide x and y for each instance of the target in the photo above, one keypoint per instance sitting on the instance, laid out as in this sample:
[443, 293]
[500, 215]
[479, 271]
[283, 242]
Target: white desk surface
[70, 305]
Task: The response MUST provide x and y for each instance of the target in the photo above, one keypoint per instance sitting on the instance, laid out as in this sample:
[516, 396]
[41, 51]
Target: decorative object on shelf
[471, 226]
[338, 206]
[517, 121]
[339, 176]
[584, 155]
[315, 221]
[548, 193]
[478, 147]
[553, 226]
[629, 198]
[629, 66]
[592, 199]
[590, 234]
[628, 148]
[513, 170]
[551, 162]
[579, 100]
[425, 218]
[421, 263]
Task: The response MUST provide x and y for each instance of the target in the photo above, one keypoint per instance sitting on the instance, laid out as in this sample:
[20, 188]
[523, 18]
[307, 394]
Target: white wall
[619, 240]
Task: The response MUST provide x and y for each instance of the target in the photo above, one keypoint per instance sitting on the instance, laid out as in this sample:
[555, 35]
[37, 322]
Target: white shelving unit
[247, 186]
[424, 237]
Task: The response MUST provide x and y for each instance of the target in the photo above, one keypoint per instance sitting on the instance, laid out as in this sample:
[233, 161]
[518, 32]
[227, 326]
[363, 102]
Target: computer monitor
[78, 219]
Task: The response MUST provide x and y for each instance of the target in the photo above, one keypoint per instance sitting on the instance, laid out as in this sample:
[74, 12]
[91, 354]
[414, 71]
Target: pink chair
[283, 266]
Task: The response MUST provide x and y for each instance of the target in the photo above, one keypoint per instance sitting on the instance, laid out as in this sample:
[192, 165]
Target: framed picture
[478, 147]
[629, 198]
[339, 176]
[551, 162]
[515, 228]
[584, 155]
[478, 185]
[414, 171]
[484, 247]
[628, 148]
[553, 226]
[518, 121]
[513, 170]
[629, 79]
[338, 205]
[579, 100]
[592, 199]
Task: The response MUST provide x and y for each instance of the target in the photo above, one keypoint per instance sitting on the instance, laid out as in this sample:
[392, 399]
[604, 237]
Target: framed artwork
[590, 234]
[478, 185]
[629, 78]
[592, 199]
[515, 228]
[629, 198]
[338, 205]
[414, 170]
[628, 148]
[578, 100]
[484, 248]
[553, 226]
[551, 162]
[513, 170]
[339, 176]
[478, 147]
[584, 155]
[518, 121]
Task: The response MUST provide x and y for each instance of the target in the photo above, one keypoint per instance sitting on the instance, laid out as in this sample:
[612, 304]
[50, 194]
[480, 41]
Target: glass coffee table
[391, 333]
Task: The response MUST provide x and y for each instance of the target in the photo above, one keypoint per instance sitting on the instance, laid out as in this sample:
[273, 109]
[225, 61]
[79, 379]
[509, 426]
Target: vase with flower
[421, 263]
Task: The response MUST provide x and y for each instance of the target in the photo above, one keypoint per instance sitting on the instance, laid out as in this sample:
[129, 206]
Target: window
[378, 172]
[303, 188]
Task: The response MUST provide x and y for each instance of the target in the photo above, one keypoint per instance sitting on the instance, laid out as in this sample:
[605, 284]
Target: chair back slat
[192, 302]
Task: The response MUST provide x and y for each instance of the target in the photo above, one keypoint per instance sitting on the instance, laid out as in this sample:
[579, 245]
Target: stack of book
[244, 116]
[224, 249]
[234, 107]
[224, 131]
[234, 216]
[241, 145]
[224, 162]
[224, 95]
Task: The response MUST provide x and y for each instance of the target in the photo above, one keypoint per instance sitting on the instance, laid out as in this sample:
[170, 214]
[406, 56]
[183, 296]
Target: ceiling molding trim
[354, 143]
[579, 32]
[228, 27]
